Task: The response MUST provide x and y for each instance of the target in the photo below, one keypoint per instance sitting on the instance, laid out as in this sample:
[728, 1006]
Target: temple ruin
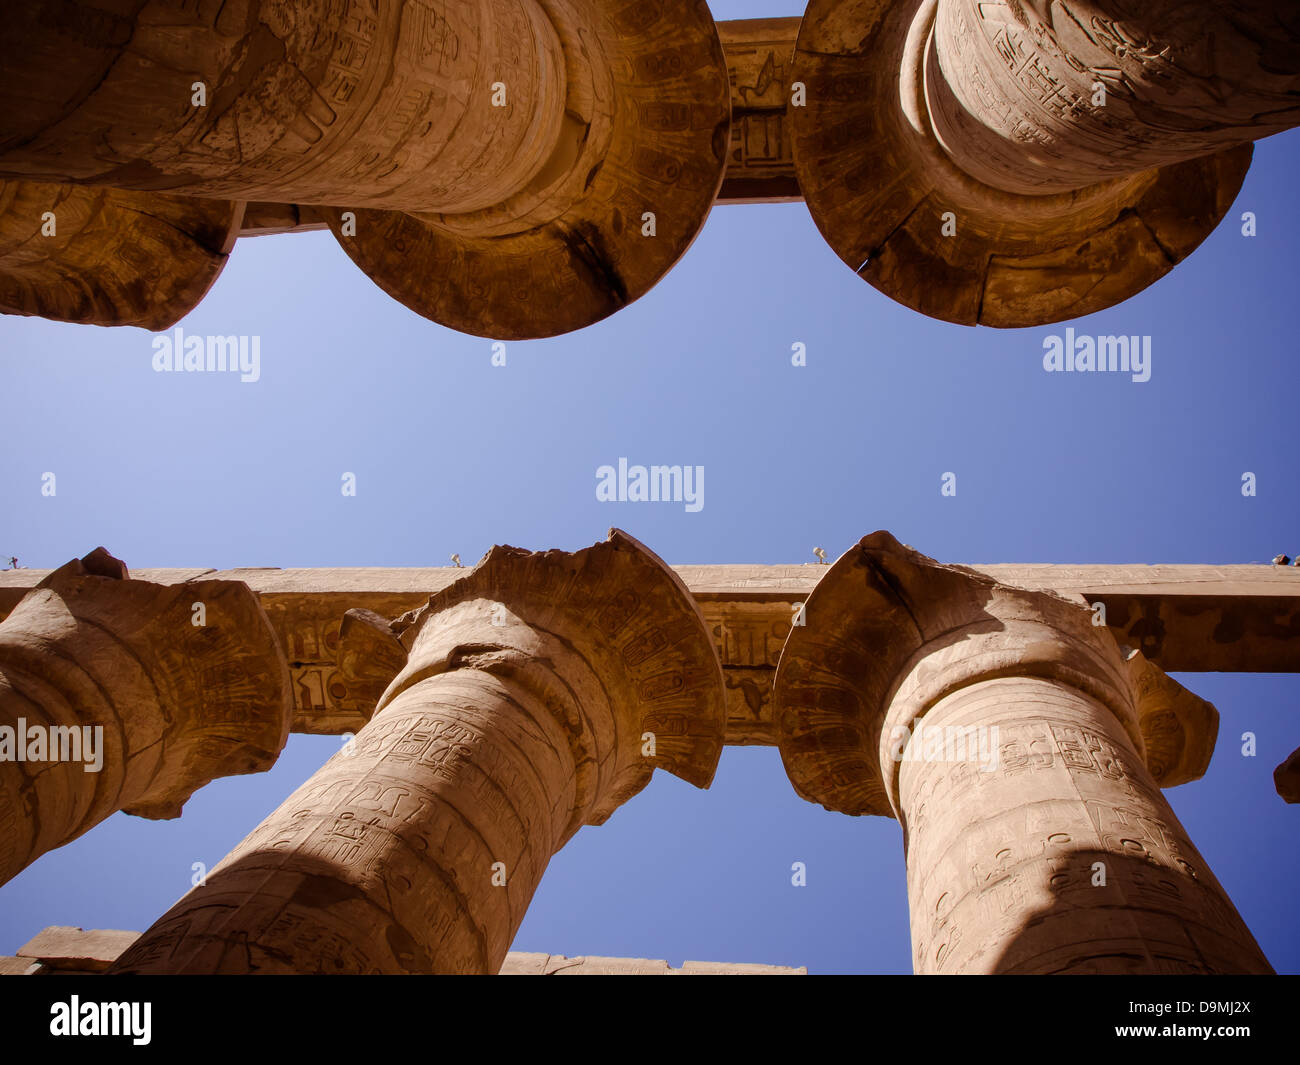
[525, 168]
[498, 709]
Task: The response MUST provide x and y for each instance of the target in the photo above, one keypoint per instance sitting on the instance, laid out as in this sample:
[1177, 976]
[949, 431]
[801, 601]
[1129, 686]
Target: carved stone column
[1049, 97]
[143, 705]
[538, 693]
[108, 256]
[1010, 737]
[1012, 164]
[489, 163]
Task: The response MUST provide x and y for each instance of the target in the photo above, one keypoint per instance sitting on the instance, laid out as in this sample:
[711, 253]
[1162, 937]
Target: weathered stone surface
[1054, 98]
[539, 692]
[146, 706]
[760, 166]
[82, 950]
[636, 165]
[515, 705]
[111, 257]
[719, 968]
[903, 198]
[61, 949]
[308, 101]
[1178, 728]
[496, 159]
[1286, 777]
[561, 155]
[1003, 729]
[523, 964]
[1184, 618]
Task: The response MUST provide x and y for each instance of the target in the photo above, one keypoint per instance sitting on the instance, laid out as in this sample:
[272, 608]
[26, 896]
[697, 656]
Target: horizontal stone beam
[1185, 618]
[66, 950]
[760, 166]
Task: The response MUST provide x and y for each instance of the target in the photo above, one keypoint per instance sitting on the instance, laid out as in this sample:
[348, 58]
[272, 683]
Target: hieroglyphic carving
[1095, 95]
[536, 693]
[1186, 617]
[1047, 847]
[167, 704]
[760, 164]
[1070, 198]
[1007, 861]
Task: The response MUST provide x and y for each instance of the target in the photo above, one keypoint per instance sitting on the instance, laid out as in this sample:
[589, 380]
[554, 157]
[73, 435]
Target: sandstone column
[1012, 164]
[538, 694]
[1049, 97]
[143, 705]
[513, 168]
[316, 101]
[1009, 736]
[108, 256]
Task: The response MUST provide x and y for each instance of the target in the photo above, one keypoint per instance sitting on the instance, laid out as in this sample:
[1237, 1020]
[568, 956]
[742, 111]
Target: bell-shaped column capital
[888, 632]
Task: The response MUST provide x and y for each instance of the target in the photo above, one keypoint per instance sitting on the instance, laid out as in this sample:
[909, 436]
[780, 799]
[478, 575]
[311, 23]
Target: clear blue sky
[453, 455]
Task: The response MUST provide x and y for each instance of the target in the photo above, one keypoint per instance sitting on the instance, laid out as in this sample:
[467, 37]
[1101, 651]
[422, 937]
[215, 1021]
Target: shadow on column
[1121, 915]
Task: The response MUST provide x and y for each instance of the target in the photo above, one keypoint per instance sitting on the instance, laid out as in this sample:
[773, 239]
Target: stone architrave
[113, 698]
[537, 694]
[1002, 728]
[1013, 164]
[511, 168]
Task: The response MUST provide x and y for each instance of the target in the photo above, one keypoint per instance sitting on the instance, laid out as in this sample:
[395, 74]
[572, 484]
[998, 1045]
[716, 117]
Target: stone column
[511, 168]
[1013, 164]
[117, 694]
[1049, 97]
[538, 694]
[1009, 735]
[108, 256]
[319, 102]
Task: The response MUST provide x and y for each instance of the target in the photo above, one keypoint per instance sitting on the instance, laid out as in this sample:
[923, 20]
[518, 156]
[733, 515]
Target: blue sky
[453, 454]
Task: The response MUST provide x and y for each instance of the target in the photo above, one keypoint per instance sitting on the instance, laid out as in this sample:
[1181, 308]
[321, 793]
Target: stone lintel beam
[534, 695]
[760, 163]
[1005, 731]
[1184, 618]
[263, 219]
[149, 691]
[67, 948]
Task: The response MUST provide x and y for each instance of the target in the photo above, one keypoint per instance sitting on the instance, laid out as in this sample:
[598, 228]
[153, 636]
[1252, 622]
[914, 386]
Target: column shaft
[1057, 854]
[521, 712]
[418, 853]
[112, 698]
[1007, 733]
[1040, 98]
[388, 105]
